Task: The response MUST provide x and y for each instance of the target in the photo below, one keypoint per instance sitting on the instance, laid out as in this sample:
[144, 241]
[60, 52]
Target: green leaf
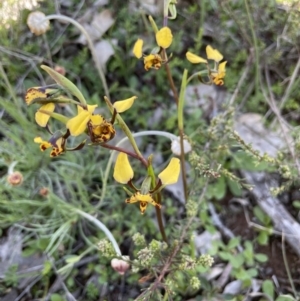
[56, 297]
[261, 216]
[252, 272]
[235, 188]
[268, 288]
[296, 204]
[263, 238]
[47, 268]
[234, 242]
[285, 298]
[225, 255]
[72, 258]
[237, 261]
[261, 257]
[64, 82]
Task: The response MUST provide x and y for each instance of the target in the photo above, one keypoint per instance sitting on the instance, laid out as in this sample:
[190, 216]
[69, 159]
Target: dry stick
[280, 119]
[291, 83]
[241, 81]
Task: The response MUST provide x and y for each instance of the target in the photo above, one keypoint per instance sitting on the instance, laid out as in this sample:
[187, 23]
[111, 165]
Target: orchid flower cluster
[99, 130]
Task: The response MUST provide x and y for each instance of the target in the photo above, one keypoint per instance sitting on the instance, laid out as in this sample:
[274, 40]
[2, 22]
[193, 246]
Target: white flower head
[37, 23]
[175, 147]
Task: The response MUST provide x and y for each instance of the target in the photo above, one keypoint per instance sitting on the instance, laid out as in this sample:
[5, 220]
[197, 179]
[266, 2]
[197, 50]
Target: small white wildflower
[37, 23]
[175, 147]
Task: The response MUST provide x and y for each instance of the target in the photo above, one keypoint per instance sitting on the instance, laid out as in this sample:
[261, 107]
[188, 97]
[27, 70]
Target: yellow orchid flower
[99, 129]
[218, 73]
[123, 174]
[164, 39]
[58, 146]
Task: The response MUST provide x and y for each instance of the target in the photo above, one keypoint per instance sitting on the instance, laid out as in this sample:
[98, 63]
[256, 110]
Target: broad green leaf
[261, 257]
[268, 288]
[64, 82]
[234, 242]
[237, 260]
[263, 238]
[56, 297]
[296, 204]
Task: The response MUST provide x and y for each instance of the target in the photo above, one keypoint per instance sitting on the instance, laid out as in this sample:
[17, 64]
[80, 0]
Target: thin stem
[102, 227]
[158, 200]
[256, 50]
[90, 44]
[170, 78]
[181, 133]
[129, 153]
[287, 266]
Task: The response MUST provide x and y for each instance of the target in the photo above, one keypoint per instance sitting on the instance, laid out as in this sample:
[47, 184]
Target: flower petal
[171, 173]
[124, 105]
[213, 54]
[77, 125]
[164, 37]
[43, 144]
[221, 68]
[42, 118]
[90, 108]
[137, 48]
[97, 119]
[195, 59]
[123, 172]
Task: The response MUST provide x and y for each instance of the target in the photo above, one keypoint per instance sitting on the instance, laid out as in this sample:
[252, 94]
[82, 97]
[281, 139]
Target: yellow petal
[123, 172]
[90, 109]
[43, 144]
[97, 119]
[195, 59]
[152, 61]
[137, 48]
[213, 54]
[34, 93]
[171, 173]
[77, 125]
[221, 68]
[42, 118]
[124, 105]
[164, 37]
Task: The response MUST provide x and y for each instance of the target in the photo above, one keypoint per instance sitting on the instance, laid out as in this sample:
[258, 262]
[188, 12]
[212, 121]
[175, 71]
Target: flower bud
[60, 69]
[176, 149]
[37, 23]
[44, 191]
[120, 265]
[15, 178]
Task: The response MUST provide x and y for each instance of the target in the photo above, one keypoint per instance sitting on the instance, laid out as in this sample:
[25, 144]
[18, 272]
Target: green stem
[181, 132]
[158, 200]
[256, 50]
[90, 44]
[202, 3]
